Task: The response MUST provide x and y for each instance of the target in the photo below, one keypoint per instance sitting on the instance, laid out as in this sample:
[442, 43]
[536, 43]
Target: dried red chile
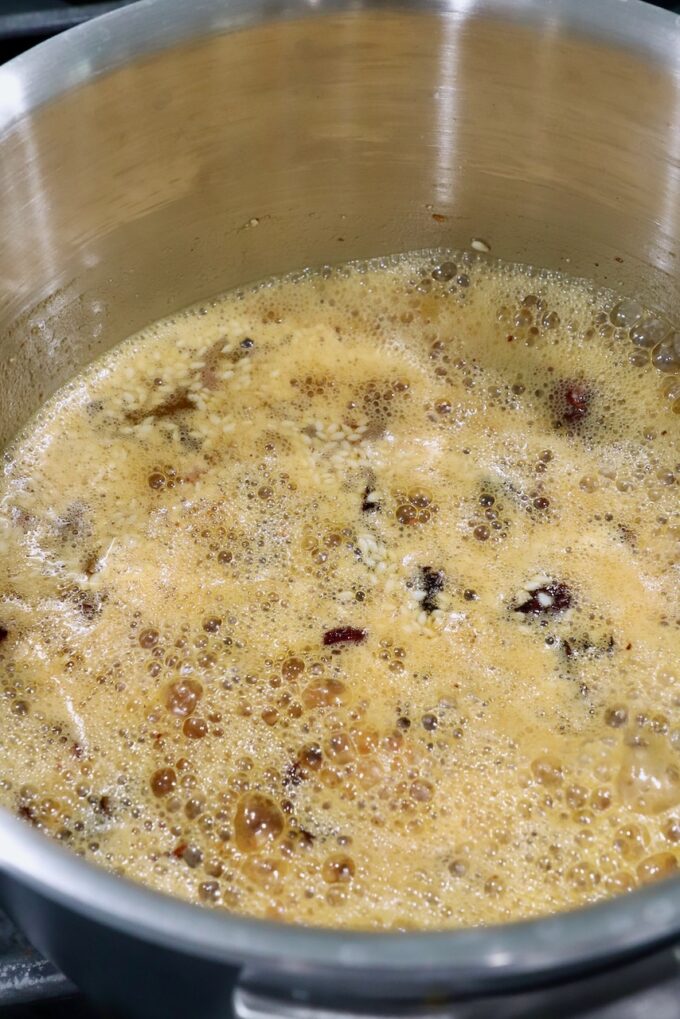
[177, 403]
[572, 402]
[343, 635]
[561, 600]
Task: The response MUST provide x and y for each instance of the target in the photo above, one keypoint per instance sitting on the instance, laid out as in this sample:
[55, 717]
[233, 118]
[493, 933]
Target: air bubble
[163, 781]
[258, 822]
[665, 358]
[649, 332]
[657, 867]
[626, 314]
[338, 869]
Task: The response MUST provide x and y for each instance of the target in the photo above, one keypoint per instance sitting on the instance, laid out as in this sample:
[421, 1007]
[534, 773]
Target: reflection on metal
[644, 990]
[25, 976]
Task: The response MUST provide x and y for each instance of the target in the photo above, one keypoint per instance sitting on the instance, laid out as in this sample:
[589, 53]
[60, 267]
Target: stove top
[24, 23]
[31, 988]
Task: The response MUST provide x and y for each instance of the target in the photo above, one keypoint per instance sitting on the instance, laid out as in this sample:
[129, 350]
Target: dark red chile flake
[561, 601]
[572, 400]
[578, 400]
[432, 583]
[4, 633]
[343, 635]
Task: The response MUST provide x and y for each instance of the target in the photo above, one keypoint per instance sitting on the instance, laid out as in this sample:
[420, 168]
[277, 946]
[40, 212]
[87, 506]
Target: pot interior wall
[319, 139]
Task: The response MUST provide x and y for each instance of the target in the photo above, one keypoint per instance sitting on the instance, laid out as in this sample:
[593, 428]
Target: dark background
[24, 23]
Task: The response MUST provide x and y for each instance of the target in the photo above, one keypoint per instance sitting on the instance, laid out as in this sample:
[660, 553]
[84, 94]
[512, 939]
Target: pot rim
[495, 955]
[503, 954]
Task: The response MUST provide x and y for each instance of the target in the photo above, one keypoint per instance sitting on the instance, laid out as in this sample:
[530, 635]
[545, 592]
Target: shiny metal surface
[131, 195]
[171, 150]
[646, 988]
[24, 976]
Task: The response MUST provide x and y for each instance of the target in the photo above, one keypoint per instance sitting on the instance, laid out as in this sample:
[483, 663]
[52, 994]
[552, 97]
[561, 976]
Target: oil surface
[353, 599]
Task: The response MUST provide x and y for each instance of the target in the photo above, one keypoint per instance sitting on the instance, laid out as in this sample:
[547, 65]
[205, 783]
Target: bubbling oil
[352, 599]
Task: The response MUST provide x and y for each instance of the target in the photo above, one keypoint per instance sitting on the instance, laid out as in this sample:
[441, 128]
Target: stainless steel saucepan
[166, 152]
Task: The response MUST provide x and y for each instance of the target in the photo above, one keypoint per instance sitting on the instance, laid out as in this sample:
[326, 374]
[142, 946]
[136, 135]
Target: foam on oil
[353, 599]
